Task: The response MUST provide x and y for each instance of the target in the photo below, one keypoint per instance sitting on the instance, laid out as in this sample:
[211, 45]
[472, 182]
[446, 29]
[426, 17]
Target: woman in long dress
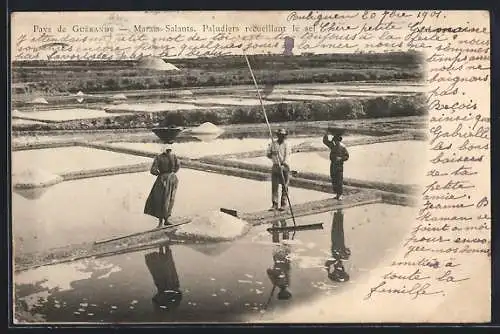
[162, 196]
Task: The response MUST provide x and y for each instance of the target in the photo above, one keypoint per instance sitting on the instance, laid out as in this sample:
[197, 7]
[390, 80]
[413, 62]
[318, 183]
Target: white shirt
[283, 151]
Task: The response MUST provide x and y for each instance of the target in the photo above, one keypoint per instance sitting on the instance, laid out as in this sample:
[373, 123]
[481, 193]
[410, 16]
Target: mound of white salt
[206, 128]
[216, 226]
[39, 100]
[158, 64]
[119, 97]
[33, 178]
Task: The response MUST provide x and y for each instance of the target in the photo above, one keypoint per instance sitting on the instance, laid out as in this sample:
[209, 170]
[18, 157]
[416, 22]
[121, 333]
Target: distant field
[59, 77]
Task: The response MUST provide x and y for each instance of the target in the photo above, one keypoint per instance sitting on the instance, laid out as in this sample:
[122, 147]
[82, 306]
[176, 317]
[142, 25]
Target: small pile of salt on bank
[120, 96]
[207, 128]
[32, 178]
[217, 225]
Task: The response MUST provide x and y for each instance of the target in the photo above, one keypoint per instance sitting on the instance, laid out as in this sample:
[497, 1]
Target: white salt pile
[158, 64]
[119, 97]
[32, 178]
[206, 128]
[80, 93]
[216, 226]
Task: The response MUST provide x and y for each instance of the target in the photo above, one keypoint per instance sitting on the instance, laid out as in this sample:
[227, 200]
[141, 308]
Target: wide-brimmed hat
[281, 132]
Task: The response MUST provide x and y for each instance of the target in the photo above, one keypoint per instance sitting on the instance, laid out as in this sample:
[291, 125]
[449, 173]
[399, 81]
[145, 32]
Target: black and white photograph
[230, 182]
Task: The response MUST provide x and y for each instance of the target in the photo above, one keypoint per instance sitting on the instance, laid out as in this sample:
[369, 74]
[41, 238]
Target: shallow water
[395, 162]
[17, 121]
[223, 282]
[97, 208]
[231, 101]
[64, 114]
[150, 107]
[70, 159]
[216, 146]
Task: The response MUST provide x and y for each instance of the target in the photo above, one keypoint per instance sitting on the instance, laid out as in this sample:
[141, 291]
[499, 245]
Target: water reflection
[334, 265]
[31, 193]
[206, 137]
[279, 273]
[162, 268]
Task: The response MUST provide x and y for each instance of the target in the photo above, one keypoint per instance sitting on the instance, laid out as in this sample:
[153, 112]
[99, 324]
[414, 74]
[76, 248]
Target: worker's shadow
[340, 253]
[279, 273]
[162, 268]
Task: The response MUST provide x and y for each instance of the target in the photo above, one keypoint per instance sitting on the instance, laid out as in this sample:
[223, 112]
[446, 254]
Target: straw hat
[281, 132]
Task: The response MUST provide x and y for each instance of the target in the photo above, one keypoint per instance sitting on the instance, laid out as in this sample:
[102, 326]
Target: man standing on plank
[279, 152]
[338, 155]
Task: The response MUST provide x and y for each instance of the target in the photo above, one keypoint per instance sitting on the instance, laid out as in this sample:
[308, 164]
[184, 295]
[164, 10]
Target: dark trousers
[277, 179]
[337, 177]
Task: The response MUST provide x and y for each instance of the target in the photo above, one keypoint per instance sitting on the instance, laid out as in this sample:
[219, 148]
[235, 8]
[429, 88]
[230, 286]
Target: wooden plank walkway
[150, 238]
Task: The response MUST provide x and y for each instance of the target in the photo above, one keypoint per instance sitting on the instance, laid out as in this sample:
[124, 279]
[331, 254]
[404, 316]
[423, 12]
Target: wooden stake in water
[270, 134]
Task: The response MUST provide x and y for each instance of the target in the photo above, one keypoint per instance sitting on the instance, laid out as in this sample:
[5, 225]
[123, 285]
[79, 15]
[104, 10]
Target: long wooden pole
[271, 136]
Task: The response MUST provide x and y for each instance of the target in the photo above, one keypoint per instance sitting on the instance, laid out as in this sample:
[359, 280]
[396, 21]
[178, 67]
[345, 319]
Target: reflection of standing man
[162, 268]
[334, 265]
[279, 152]
[279, 274]
[338, 155]
[276, 233]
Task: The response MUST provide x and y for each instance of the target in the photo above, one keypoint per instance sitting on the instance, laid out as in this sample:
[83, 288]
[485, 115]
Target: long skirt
[162, 196]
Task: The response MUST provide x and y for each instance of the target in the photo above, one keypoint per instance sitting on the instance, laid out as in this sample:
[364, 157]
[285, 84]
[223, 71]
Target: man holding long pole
[270, 134]
[279, 152]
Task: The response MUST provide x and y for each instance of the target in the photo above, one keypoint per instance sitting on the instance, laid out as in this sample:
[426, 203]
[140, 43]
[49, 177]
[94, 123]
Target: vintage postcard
[250, 167]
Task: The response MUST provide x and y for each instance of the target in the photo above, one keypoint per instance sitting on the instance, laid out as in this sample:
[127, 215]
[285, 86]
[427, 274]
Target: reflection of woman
[334, 265]
[162, 196]
[162, 268]
[279, 274]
